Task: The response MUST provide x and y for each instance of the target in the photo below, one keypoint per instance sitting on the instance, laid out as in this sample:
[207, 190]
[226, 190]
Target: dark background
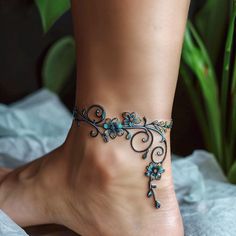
[22, 49]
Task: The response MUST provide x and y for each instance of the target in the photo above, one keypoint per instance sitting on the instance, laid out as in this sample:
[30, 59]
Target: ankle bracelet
[131, 126]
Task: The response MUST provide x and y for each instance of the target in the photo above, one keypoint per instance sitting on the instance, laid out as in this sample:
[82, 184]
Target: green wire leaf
[59, 64]
[150, 193]
[51, 10]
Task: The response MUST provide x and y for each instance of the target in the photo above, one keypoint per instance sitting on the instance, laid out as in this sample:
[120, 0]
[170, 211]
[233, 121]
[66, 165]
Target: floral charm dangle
[134, 128]
[154, 172]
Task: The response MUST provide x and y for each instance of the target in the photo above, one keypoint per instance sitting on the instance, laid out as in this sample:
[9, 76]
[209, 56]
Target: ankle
[117, 100]
[112, 160]
[109, 177]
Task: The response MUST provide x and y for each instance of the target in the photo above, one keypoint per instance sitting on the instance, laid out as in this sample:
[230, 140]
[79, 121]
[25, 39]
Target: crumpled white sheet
[8, 227]
[40, 122]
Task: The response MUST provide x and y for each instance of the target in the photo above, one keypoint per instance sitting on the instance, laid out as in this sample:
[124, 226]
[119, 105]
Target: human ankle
[113, 174]
[118, 155]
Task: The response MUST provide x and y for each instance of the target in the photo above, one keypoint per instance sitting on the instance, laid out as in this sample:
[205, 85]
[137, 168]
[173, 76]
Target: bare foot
[92, 188]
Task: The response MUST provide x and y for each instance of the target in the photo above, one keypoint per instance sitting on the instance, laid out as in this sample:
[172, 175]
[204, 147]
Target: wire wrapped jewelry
[131, 126]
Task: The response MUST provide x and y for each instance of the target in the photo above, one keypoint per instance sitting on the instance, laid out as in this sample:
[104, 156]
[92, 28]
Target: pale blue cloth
[39, 123]
[8, 227]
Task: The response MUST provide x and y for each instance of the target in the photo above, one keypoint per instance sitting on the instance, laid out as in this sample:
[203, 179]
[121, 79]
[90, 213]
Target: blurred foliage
[213, 93]
[59, 64]
[211, 22]
[51, 10]
[212, 90]
[232, 174]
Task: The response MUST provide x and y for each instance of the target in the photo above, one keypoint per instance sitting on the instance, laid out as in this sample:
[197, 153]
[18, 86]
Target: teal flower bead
[113, 128]
[130, 119]
[154, 171]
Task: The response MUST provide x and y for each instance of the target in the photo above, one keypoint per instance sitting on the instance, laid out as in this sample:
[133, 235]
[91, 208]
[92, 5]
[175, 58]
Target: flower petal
[120, 132]
[106, 126]
[112, 134]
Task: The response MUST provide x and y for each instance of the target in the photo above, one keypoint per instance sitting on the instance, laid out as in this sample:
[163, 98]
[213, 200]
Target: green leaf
[233, 88]
[230, 44]
[51, 10]
[196, 101]
[233, 128]
[196, 57]
[211, 22]
[232, 137]
[232, 174]
[59, 64]
[226, 67]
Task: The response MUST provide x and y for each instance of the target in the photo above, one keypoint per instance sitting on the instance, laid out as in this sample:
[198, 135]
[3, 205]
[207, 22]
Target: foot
[93, 188]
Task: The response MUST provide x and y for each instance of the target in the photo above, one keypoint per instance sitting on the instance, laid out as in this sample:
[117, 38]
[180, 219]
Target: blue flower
[154, 171]
[113, 128]
[130, 119]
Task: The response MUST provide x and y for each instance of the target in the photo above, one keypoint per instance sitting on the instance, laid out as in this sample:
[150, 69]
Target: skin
[128, 55]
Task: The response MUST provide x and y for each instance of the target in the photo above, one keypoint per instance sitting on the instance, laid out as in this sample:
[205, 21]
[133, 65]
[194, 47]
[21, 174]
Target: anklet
[132, 126]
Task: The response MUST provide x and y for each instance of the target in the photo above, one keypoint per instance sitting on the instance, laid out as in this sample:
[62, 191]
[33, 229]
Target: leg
[128, 60]
[133, 46]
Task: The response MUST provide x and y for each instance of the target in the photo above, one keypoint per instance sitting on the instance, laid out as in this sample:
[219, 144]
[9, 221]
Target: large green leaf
[226, 67]
[233, 88]
[232, 122]
[51, 10]
[196, 57]
[196, 101]
[59, 64]
[211, 22]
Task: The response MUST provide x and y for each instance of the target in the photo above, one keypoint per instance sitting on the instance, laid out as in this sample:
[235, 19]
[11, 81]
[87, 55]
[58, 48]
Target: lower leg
[128, 54]
[128, 59]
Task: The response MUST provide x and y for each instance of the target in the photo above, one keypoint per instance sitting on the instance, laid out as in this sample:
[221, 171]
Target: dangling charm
[154, 172]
